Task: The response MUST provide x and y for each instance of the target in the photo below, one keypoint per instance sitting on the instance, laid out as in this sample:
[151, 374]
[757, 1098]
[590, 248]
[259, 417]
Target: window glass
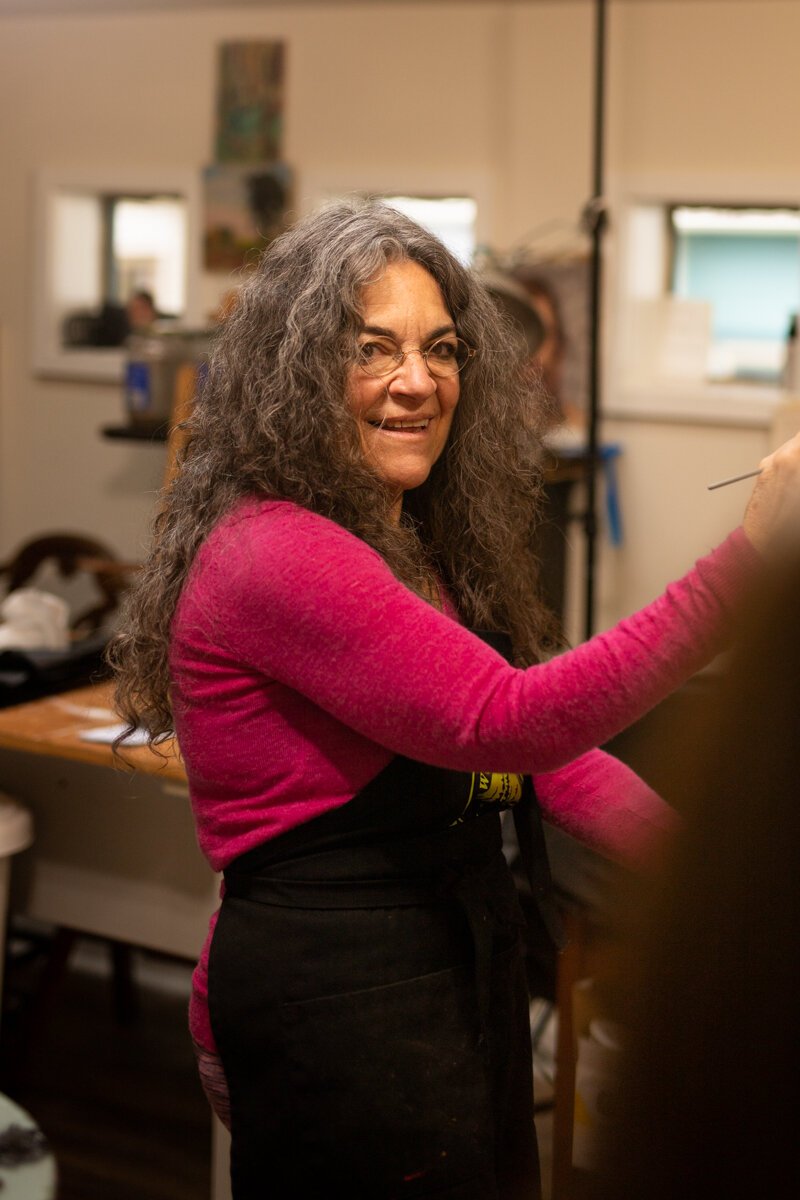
[746, 264]
[149, 250]
[106, 249]
[451, 218]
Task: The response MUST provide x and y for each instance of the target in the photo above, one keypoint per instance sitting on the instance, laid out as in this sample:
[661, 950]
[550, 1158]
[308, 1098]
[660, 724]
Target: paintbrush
[734, 479]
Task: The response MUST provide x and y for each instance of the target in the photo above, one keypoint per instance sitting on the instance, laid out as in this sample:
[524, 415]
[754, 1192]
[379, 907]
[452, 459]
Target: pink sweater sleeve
[318, 610]
[605, 805]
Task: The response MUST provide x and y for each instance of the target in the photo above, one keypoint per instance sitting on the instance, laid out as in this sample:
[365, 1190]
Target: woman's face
[405, 416]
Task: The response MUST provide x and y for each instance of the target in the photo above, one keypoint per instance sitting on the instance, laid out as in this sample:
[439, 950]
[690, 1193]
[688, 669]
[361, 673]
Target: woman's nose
[413, 376]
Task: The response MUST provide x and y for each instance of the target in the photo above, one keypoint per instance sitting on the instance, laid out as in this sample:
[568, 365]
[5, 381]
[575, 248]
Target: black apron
[367, 994]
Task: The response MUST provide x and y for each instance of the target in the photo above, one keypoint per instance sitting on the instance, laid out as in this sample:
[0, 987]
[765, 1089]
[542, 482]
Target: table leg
[570, 969]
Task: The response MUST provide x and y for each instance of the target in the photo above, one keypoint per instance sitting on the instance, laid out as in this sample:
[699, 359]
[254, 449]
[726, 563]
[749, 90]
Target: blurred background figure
[552, 350]
[512, 299]
[141, 311]
[533, 339]
[112, 323]
[530, 302]
[707, 1099]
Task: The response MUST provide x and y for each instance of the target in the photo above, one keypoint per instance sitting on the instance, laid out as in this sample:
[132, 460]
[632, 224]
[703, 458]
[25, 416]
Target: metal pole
[594, 217]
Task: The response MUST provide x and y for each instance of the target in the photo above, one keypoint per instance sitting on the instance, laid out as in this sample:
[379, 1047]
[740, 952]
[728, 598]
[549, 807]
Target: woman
[355, 498]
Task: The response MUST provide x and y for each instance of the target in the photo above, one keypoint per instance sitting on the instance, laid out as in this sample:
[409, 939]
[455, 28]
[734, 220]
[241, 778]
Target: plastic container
[151, 367]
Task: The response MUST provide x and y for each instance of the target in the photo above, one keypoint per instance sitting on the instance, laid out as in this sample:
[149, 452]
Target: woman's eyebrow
[380, 331]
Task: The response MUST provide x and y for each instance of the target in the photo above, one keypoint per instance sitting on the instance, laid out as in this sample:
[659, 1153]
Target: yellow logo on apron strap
[496, 789]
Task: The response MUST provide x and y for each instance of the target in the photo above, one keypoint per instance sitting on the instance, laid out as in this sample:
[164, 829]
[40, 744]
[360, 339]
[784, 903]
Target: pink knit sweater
[300, 666]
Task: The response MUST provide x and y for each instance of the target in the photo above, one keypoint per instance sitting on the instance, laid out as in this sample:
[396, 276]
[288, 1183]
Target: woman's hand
[773, 511]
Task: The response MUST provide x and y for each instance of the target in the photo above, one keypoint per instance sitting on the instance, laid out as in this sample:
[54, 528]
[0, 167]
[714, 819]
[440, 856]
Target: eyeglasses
[445, 356]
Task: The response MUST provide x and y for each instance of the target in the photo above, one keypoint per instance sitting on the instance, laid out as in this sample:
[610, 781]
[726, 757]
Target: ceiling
[30, 8]
[70, 7]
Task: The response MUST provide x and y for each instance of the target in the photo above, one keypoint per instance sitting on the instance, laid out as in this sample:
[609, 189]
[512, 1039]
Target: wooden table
[115, 851]
[52, 727]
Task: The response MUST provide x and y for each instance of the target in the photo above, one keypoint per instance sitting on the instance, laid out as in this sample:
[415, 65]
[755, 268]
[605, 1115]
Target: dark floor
[119, 1102]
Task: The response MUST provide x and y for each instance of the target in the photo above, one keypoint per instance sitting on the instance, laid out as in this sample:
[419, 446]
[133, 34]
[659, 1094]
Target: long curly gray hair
[271, 420]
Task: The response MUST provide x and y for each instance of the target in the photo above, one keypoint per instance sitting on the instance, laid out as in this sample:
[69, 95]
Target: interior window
[451, 218]
[107, 248]
[744, 263]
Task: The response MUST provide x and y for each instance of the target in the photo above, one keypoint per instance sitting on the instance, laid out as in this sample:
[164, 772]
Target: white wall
[494, 97]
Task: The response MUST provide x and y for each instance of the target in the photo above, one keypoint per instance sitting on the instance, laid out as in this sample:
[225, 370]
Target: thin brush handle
[734, 479]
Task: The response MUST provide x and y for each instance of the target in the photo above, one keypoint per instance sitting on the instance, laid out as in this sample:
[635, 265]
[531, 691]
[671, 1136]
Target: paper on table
[110, 733]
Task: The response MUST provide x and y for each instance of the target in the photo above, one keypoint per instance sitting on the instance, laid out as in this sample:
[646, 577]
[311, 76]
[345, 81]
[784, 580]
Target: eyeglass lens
[446, 356]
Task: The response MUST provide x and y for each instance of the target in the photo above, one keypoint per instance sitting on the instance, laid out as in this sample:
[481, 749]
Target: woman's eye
[371, 350]
[444, 349]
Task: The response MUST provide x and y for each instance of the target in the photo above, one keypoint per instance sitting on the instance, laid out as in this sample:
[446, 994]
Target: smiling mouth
[412, 424]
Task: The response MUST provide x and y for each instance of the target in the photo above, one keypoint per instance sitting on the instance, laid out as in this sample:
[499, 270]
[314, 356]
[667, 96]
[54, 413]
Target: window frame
[48, 357]
[655, 397]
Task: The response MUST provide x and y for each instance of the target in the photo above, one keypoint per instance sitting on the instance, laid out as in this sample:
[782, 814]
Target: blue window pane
[752, 281]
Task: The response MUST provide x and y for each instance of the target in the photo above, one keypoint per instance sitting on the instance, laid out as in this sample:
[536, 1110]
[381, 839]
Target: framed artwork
[250, 84]
[245, 208]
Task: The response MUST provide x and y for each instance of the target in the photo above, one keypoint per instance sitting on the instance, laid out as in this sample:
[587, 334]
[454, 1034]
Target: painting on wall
[250, 84]
[246, 207]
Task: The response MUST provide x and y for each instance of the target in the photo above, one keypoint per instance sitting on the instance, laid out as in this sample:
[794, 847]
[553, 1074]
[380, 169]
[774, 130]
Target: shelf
[138, 433]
